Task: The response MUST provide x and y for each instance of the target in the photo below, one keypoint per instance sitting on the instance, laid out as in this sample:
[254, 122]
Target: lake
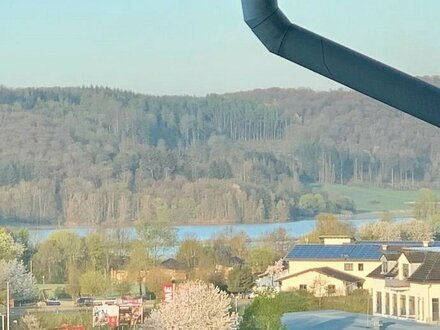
[295, 228]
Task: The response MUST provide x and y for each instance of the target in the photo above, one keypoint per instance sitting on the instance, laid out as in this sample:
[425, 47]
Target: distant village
[403, 278]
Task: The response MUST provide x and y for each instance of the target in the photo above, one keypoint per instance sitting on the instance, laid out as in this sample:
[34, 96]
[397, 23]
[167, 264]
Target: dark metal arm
[350, 68]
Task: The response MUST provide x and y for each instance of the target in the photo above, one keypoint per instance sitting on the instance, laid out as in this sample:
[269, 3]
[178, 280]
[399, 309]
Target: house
[174, 269]
[407, 284]
[336, 267]
[322, 281]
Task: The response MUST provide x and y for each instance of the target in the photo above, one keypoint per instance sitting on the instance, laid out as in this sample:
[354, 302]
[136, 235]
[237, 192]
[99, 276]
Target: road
[69, 307]
[65, 307]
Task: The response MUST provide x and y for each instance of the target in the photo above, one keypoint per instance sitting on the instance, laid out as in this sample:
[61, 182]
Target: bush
[265, 312]
[53, 321]
[359, 301]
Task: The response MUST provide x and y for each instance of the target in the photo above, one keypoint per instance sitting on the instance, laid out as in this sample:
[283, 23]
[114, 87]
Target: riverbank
[203, 232]
[403, 213]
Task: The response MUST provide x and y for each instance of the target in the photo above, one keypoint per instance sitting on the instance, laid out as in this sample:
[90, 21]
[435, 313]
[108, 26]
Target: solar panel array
[336, 252]
[400, 243]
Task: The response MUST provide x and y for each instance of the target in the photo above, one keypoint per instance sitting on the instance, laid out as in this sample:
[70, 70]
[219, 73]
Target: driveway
[337, 320]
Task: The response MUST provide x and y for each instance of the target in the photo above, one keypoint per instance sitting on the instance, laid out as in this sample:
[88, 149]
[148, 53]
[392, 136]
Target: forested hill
[99, 155]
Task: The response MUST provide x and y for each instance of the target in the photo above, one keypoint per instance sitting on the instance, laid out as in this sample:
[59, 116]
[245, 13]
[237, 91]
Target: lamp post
[7, 305]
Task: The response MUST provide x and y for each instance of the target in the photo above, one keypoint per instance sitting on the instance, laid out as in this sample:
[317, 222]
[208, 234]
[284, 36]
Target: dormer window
[405, 270]
[384, 267]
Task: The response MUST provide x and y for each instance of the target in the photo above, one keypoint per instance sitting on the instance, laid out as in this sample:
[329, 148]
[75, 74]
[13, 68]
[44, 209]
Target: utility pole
[7, 305]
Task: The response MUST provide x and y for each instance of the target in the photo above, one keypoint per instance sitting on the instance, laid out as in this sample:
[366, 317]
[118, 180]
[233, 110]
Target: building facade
[407, 285]
[336, 267]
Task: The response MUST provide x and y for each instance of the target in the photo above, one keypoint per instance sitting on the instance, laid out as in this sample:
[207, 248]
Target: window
[387, 303]
[395, 304]
[405, 270]
[412, 306]
[331, 289]
[379, 302]
[360, 267]
[348, 267]
[384, 267]
[435, 314]
[303, 286]
[402, 305]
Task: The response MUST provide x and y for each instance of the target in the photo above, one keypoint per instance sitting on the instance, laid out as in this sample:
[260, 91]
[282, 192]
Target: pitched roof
[331, 272]
[429, 270]
[335, 252]
[416, 257]
[172, 264]
[377, 272]
[392, 256]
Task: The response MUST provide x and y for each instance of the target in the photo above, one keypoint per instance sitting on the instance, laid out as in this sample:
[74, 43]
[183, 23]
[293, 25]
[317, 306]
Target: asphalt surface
[337, 320]
[66, 307]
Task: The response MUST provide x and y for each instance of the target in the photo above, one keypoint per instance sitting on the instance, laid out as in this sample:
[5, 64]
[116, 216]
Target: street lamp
[7, 305]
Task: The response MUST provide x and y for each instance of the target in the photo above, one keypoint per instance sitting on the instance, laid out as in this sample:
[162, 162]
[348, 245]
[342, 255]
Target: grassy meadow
[373, 199]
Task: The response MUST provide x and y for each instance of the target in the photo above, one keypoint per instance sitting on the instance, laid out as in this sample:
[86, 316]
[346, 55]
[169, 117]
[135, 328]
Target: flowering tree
[275, 269]
[8, 248]
[195, 305]
[380, 230]
[417, 230]
[22, 283]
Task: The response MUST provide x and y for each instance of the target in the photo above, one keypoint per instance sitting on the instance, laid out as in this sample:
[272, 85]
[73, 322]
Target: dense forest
[95, 155]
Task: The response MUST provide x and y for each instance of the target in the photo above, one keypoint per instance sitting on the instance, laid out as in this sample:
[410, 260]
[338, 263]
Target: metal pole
[7, 306]
[341, 64]
[368, 311]
[3, 322]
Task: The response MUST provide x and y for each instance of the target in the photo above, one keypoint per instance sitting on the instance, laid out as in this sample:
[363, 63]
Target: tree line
[85, 265]
[92, 155]
[97, 155]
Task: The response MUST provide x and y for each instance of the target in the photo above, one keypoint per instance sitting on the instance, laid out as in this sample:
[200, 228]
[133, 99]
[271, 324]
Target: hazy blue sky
[198, 46]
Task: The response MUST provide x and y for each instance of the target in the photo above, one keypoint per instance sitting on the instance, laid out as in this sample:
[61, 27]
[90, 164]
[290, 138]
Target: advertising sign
[130, 314]
[167, 292]
[106, 315]
[129, 301]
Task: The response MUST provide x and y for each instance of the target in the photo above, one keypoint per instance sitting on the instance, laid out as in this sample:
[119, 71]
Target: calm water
[296, 229]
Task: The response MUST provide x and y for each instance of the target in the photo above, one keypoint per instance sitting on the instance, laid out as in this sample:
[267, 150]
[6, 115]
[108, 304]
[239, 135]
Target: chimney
[427, 243]
[336, 239]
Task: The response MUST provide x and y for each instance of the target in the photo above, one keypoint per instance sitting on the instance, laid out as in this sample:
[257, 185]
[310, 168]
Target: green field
[373, 199]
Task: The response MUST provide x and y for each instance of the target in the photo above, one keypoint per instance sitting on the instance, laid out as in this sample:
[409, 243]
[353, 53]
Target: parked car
[52, 302]
[84, 302]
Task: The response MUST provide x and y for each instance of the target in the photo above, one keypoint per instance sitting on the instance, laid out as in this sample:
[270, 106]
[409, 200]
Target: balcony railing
[395, 283]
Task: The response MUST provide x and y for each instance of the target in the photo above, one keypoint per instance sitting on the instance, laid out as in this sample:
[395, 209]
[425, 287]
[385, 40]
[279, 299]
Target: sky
[196, 47]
